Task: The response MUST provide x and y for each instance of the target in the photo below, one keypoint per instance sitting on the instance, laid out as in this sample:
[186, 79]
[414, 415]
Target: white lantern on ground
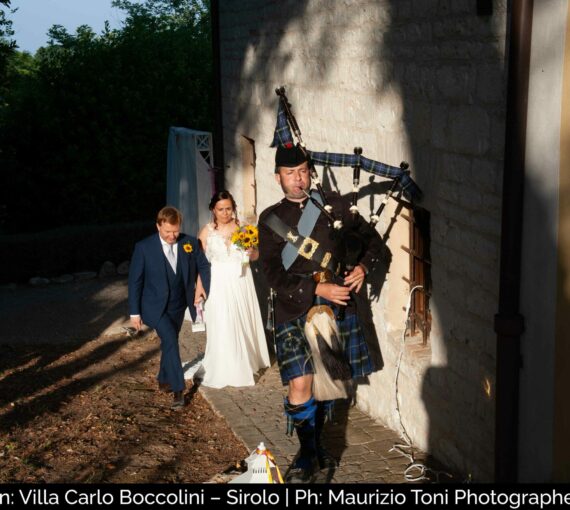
[261, 468]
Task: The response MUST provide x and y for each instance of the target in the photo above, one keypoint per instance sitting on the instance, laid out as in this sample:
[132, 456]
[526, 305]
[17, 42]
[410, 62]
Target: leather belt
[325, 276]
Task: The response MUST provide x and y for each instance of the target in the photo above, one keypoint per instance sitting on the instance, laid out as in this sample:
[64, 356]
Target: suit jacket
[148, 278]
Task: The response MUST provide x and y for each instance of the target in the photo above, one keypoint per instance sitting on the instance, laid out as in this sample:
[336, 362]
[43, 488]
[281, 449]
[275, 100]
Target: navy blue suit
[161, 296]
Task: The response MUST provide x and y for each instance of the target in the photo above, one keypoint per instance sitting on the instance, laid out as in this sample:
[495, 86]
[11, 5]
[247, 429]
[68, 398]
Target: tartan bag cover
[283, 136]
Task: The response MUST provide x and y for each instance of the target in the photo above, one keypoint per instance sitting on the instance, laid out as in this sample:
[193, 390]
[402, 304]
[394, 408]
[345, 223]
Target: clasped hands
[339, 294]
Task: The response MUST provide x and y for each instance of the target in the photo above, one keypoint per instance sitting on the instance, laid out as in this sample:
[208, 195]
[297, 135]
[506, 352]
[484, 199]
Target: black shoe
[302, 470]
[178, 400]
[326, 460]
[299, 475]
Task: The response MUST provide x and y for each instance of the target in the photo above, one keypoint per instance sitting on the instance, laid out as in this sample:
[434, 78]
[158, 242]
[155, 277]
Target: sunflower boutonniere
[187, 247]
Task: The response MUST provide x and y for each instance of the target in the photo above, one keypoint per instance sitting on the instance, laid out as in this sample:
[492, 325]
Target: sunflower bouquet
[246, 237]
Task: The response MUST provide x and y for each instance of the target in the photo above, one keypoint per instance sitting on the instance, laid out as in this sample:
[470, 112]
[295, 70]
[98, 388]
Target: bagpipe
[287, 124]
[325, 345]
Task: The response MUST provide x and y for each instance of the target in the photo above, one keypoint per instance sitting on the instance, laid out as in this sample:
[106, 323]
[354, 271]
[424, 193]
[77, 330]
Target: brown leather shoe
[178, 400]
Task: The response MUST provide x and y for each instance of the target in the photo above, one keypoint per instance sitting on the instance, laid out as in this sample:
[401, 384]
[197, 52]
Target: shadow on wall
[447, 65]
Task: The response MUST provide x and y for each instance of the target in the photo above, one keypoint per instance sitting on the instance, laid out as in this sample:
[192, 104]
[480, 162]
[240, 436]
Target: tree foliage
[7, 45]
[83, 133]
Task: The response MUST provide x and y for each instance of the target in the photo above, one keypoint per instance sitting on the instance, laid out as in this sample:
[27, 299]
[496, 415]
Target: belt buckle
[308, 248]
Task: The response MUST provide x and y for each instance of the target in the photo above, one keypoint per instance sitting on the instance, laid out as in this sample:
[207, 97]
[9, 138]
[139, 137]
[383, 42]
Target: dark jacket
[148, 278]
[295, 294]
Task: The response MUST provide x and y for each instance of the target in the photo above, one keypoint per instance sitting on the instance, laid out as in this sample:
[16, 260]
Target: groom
[162, 278]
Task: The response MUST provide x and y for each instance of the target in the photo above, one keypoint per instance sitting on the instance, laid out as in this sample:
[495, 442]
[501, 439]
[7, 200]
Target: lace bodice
[220, 249]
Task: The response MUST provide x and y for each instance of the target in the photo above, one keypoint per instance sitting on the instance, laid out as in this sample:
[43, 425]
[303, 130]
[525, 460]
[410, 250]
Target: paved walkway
[84, 310]
[255, 414]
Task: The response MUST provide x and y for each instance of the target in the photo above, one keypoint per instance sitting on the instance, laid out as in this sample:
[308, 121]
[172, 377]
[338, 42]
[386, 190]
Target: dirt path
[78, 396]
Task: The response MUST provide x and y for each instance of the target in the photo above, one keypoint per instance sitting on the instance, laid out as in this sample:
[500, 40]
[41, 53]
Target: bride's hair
[223, 195]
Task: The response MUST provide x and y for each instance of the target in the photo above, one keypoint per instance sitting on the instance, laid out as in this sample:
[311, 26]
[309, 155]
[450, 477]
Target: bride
[235, 347]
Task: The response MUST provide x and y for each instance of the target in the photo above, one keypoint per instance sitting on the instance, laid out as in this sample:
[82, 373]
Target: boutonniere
[187, 247]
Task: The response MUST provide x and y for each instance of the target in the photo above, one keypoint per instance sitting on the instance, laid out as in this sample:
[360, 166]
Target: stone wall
[421, 81]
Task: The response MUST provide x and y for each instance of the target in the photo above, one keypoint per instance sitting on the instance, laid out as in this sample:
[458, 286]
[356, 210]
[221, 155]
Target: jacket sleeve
[136, 280]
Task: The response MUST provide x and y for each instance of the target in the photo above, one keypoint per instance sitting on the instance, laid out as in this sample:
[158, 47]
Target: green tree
[85, 126]
[7, 45]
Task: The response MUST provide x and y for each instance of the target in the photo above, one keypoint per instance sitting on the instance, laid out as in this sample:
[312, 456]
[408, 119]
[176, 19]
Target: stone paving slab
[361, 444]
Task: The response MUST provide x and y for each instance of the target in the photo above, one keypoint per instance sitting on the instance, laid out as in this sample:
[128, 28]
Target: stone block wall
[415, 80]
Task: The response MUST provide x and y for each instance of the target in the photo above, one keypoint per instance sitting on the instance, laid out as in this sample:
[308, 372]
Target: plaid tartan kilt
[294, 354]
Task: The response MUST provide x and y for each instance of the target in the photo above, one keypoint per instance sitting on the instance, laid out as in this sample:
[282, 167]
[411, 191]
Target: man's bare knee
[300, 389]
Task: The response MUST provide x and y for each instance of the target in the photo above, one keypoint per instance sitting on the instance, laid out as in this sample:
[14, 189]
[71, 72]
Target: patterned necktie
[171, 257]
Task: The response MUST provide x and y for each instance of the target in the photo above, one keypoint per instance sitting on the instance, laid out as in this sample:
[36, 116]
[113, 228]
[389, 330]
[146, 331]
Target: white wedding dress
[235, 346]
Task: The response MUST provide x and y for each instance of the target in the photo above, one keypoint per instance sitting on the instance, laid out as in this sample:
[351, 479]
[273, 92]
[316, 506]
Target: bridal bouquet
[246, 237]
